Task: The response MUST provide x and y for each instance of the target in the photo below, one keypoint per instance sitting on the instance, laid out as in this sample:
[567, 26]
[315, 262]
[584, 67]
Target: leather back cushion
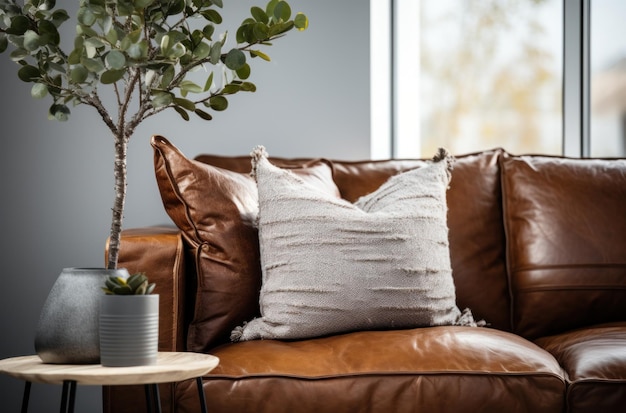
[565, 222]
[216, 209]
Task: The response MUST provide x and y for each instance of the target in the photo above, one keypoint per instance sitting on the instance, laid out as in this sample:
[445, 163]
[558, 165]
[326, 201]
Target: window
[516, 74]
[608, 78]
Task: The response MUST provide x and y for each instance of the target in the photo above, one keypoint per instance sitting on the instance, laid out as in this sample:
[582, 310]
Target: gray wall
[56, 178]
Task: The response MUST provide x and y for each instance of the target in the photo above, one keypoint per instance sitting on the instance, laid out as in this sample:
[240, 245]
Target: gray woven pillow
[330, 266]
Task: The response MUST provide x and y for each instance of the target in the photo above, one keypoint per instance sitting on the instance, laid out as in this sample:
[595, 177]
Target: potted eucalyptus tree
[129, 60]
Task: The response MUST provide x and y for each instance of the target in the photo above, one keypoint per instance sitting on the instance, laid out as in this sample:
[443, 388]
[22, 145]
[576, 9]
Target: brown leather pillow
[216, 209]
[565, 222]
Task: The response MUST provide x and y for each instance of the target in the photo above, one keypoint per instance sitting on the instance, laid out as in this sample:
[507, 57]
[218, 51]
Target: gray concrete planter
[129, 330]
[67, 332]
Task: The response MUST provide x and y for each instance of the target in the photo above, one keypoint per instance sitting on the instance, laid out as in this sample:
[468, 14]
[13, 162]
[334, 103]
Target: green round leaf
[19, 54]
[216, 53]
[112, 35]
[59, 16]
[184, 103]
[218, 103]
[39, 91]
[115, 60]
[93, 65]
[86, 17]
[177, 51]
[162, 99]
[111, 76]
[208, 31]
[202, 50]
[259, 15]
[74, 57]
[28, 73]
[244, 72]
[168, 76]
[212, 15]
[94, 42]
[231, 88]
[138, 51]
[269, 9]
[134, 36]
[245, 33]
[59, 112]
[282, 11]
[31, 40]
[235, 59]
[248, 87]
[260, 31]
[49, 33]
[79, 74]
[301, 22]
[19, 25]
[174, 7]
[165, 44]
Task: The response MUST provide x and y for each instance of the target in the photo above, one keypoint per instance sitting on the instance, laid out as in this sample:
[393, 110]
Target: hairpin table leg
[148, 391]
[68, 398]
[203, 408]
[26, 397]
[153, 398]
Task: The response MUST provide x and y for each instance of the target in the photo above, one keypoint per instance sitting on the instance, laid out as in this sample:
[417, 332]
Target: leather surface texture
[594, 360]
[565, 221]
[414, 370]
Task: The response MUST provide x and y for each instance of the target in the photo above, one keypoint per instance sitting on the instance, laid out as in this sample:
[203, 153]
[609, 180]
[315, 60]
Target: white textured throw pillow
[330, 266]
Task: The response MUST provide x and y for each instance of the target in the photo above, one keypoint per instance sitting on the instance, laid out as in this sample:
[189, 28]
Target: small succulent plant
[136, 284]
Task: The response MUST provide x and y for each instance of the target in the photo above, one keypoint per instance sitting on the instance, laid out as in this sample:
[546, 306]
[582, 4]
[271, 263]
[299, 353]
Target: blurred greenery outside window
[471, 75]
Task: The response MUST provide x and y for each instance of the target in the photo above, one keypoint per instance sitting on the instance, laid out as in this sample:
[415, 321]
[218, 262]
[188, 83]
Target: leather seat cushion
[594, 359]
[400, 371]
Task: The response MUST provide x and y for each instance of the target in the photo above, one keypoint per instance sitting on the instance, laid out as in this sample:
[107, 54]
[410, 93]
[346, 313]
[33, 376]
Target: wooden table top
[170, 367]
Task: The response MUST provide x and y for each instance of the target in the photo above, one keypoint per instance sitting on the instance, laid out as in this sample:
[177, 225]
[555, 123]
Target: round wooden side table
[170, 367]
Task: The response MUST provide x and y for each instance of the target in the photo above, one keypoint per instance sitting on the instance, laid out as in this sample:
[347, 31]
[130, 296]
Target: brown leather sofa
[538, 250]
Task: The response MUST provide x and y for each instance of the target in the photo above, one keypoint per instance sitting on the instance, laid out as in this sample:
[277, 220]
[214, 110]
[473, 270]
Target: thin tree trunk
[121, 147]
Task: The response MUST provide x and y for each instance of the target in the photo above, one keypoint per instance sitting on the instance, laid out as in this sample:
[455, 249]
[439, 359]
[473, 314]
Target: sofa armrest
[158, 252]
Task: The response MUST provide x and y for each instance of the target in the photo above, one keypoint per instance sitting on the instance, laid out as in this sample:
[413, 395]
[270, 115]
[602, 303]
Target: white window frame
[395, 89]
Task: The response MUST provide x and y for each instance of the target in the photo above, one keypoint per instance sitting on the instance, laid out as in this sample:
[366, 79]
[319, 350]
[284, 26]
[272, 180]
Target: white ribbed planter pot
[129, 330]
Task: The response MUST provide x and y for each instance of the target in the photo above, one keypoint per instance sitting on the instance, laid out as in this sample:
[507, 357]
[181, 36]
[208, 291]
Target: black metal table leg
[148, 391]
[72, 401]
[203, 408]
[157, 397]
[26, 397]
[153, 398]
[68, 397]
[66, 385]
